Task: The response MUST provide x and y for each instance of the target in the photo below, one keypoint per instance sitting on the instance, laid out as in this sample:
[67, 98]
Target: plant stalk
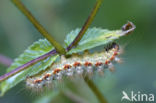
[26, 65]
[39, 27]
[86, 25]
[95, 90]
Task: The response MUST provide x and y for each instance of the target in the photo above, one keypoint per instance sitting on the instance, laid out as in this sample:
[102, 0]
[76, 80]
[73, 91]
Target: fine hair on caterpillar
[77, 65]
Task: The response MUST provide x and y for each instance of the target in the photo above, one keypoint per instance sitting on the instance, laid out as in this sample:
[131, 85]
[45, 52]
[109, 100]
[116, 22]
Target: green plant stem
[96, 91]
[39, 27]
[86, 25]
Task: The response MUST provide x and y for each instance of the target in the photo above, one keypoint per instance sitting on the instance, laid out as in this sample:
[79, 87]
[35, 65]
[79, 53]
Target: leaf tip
[128, 28]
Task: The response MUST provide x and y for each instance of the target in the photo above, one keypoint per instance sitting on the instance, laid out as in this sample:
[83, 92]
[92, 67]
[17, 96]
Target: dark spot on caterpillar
[67, 66]
[88, 64]
[57, 71]
[98, 64]
[77, 64]
[111, 45]
[38, 81]
[46, 76]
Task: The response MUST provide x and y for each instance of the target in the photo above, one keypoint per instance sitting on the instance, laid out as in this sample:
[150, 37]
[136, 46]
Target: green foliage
[35, 50]
[92, 38]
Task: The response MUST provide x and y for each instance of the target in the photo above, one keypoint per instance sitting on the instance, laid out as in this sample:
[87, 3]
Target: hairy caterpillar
[81, 65]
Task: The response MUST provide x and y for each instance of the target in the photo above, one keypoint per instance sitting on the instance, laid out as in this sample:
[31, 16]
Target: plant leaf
[93, 37]
[35, 50]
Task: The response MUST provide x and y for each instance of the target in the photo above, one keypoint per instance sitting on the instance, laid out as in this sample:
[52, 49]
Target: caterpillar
[77, 65]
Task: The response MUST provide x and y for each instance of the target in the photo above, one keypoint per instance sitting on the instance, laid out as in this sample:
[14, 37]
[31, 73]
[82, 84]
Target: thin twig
[86, 25]
[95, 90]
[39, 27]
[5, 60]
[28, 64]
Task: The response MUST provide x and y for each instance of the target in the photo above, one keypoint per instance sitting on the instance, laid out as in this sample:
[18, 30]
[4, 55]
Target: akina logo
[137, 96]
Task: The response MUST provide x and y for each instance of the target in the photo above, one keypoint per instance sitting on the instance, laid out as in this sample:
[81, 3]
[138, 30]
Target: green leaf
[93, 37]
[35, 50]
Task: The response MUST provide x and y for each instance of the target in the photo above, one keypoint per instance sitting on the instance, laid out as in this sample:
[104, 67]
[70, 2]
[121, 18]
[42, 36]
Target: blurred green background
[59, 17]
